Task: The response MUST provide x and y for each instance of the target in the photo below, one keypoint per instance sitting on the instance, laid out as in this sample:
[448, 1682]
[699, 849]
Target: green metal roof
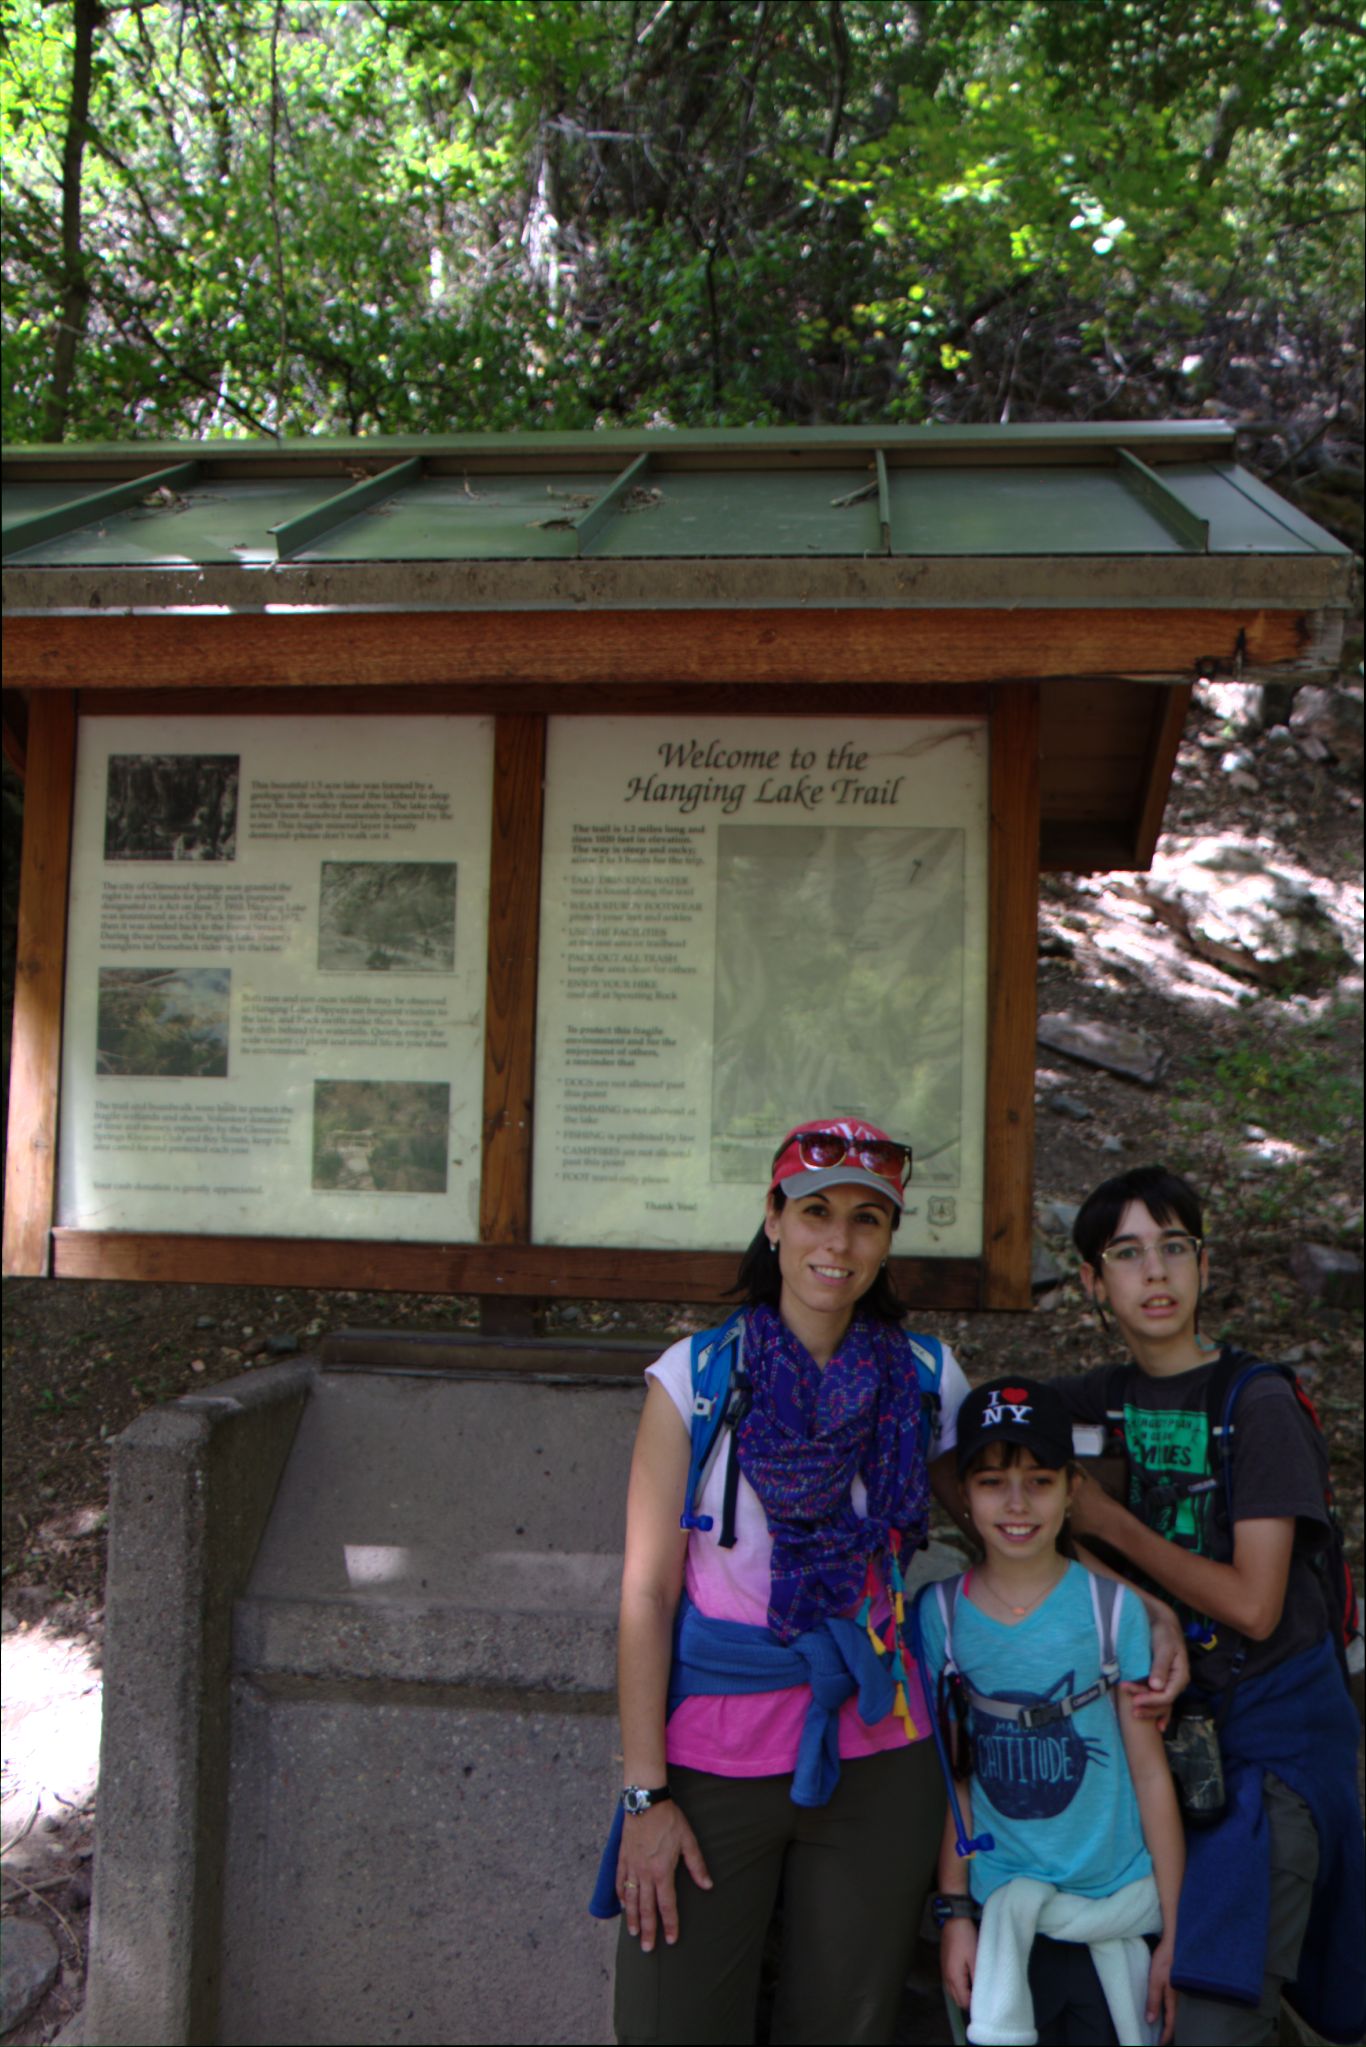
[297, 514]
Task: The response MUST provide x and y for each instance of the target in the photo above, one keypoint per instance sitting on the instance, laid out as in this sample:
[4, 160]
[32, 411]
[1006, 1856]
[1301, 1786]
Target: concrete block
[192, 1486]
[416, 1872]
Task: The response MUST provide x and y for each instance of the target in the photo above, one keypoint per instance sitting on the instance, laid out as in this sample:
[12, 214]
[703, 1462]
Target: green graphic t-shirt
[1279, 1472]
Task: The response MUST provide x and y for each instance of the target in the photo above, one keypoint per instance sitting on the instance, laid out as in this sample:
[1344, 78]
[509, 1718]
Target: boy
[1072, 1787]
[1273, 1894]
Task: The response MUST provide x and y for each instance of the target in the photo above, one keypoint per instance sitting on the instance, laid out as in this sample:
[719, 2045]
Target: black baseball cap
[1015, 1411]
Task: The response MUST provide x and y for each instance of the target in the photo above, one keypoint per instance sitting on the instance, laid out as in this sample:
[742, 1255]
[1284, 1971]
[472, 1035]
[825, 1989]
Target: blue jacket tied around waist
[1297, 1721]
[728, 1657]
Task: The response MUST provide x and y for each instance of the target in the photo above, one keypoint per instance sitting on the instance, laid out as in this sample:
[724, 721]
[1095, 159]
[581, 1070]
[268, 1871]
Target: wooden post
[1008, 1225]
[1169, 722]
[36, 1045]
[510, 1003]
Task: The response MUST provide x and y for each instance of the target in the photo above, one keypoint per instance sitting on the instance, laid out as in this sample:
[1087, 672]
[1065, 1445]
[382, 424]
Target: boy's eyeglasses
[818, 1150]
[1176, 1249]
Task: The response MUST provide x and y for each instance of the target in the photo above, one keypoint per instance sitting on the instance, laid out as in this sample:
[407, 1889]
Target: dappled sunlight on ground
[51, 1712]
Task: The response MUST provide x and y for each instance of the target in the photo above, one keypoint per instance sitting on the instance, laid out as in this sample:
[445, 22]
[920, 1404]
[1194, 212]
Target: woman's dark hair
[760, 1280]
[1166, 1196]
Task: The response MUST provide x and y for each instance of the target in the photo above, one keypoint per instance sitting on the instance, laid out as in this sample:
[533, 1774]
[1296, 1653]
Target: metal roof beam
[292, 536]
[1164, 503]
[884, 500]
[603, 510]
[94, 505]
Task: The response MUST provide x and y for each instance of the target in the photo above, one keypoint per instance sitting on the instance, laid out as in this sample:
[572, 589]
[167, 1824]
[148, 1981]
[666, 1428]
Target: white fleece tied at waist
[1002, 2008]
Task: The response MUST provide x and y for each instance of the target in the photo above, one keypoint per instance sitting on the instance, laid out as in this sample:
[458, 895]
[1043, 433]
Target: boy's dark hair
[760, 1279]
[1166, 1196]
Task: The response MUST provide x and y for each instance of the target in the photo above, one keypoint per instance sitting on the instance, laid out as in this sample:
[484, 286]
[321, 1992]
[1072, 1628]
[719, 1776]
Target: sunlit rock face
[51, 1727]
[1241, 902]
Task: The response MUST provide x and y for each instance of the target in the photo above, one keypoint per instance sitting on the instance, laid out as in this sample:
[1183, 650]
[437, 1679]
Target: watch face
[635, 1800]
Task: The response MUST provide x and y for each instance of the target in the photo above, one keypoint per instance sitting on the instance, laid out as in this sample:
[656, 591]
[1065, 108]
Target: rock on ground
[1242, 903]
[29, 1962]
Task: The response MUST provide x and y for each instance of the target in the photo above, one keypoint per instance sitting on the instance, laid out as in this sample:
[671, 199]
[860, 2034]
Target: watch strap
[636, 1799]
[946, 1905]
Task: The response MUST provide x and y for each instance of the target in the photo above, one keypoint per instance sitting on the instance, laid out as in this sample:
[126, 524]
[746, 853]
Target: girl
[1081, 1838]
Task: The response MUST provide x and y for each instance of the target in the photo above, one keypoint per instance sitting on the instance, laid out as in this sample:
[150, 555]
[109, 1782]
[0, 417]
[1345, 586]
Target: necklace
[1018, 1612]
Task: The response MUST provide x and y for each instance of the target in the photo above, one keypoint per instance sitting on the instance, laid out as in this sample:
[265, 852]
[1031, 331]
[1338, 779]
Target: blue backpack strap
[946, 1592]
[716, 1353]
[928, 1353]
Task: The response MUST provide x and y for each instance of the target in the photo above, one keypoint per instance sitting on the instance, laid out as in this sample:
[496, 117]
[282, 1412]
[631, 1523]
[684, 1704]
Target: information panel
[746, 923]
[275, 980]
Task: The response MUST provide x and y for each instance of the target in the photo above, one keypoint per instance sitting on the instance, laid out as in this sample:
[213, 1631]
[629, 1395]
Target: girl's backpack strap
[1107, 1595]
[946, 1591]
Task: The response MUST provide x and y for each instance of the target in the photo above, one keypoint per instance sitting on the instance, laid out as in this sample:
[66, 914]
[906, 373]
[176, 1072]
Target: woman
[760, 1778]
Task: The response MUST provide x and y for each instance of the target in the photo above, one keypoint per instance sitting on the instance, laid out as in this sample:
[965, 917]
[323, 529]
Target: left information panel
[275, 981]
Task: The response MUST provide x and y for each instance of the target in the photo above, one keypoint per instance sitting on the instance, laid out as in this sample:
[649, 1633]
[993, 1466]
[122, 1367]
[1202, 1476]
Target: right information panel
[746, 924]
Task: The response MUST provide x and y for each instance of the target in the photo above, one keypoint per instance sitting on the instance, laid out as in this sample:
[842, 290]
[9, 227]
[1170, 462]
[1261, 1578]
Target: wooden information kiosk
[449, 862]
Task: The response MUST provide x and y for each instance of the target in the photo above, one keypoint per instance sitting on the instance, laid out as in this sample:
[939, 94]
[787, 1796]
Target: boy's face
[1017, 1509]
[1153, 1289]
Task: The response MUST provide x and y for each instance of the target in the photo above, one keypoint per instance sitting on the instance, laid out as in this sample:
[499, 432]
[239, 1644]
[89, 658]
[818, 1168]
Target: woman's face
[830, 1246]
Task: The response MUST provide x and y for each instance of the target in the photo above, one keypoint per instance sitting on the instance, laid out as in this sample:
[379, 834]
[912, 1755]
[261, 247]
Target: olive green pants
[853, 1873]
[1217, 2021]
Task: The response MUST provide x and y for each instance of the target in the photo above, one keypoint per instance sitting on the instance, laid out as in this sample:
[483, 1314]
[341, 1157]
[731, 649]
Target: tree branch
[75, 307]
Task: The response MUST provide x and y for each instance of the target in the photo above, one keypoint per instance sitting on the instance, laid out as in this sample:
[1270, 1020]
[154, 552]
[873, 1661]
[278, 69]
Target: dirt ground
[1260, 1102]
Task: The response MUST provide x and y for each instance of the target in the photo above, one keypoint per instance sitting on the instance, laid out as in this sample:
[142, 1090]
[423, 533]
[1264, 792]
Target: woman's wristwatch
[946, 1905]
[635, 1799]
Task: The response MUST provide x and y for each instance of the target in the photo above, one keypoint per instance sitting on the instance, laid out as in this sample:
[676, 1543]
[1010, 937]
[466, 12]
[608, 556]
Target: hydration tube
[966, 1845]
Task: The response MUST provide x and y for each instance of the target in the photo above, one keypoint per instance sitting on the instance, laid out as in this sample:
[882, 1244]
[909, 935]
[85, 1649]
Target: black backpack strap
[1116, 1381]
[738, 1402]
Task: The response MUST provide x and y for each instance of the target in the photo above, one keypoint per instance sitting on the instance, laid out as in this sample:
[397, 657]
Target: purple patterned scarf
[806, 1437]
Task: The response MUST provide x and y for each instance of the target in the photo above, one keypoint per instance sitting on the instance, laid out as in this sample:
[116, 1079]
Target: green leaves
[361, 215]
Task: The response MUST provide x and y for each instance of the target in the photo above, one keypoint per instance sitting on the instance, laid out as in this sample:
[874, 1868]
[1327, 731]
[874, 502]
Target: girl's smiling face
[1018, 1509]
[830, 1246]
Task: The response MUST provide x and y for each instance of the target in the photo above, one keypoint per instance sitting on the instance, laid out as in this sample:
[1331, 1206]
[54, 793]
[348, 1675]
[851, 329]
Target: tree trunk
[75, 306]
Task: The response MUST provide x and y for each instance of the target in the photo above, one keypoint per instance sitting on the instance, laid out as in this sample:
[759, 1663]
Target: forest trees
[304, 216]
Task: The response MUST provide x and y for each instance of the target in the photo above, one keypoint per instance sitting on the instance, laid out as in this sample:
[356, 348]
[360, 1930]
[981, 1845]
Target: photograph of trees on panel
[387, 916]
[171, 806]
[381, 1136]
[163, 1020]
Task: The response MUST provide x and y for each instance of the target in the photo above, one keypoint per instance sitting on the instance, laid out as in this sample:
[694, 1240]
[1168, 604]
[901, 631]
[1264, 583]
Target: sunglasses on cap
[820, 1150]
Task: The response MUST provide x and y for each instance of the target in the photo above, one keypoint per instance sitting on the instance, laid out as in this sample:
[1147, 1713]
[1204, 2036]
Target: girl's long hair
[760, 1282]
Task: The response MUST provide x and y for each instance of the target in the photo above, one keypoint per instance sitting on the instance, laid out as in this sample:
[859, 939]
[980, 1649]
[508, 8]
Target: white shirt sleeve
[674, 1373]
[953, 1391]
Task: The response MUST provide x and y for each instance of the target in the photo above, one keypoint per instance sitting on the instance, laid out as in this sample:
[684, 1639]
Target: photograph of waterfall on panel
[837, 949]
